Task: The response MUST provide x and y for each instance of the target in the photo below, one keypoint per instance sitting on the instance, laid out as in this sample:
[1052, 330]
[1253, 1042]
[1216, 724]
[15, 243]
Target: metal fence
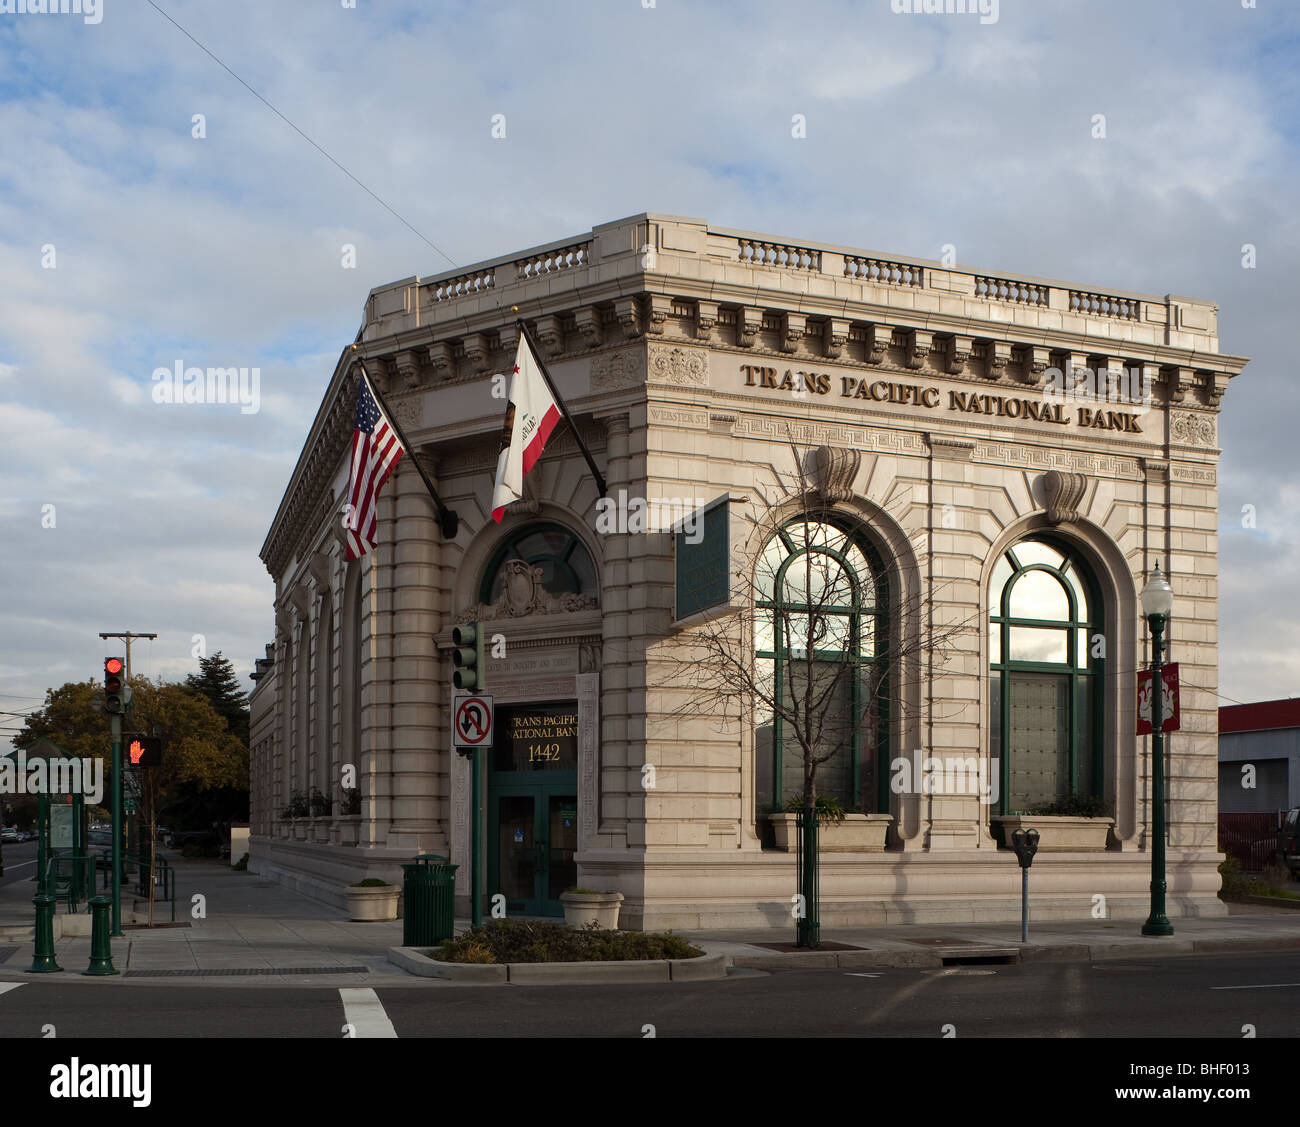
[1250, 838]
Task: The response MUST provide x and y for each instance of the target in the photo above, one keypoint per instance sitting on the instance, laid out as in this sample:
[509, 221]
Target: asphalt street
[1220, 997]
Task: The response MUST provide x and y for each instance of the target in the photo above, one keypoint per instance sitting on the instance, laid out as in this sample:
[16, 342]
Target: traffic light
[113, 696]
[145, 751]
[467, 657]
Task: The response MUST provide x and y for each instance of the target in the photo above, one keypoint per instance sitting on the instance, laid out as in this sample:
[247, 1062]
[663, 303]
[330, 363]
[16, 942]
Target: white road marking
[5, 987]
[1263, 986]
[363, 1010]
[21, 865]
[859, 974]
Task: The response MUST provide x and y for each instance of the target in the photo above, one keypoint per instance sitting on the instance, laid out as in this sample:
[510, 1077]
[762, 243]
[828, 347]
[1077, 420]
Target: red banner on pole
[1169, 716]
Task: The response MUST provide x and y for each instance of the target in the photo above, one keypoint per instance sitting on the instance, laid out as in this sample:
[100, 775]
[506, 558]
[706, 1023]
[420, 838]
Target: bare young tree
[818, 645]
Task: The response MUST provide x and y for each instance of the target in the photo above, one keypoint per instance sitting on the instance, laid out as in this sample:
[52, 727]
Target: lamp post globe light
[1157, 602]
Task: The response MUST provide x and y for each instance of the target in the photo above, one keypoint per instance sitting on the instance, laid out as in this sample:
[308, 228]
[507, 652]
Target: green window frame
[567, 566]
[1041, 645]
[856, 628]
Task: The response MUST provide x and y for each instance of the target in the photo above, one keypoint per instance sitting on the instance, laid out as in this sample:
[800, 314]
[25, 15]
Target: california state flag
[530, 418]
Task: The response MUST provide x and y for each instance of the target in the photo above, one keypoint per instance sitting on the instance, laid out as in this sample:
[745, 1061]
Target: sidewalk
[254, 930]
[258, 931]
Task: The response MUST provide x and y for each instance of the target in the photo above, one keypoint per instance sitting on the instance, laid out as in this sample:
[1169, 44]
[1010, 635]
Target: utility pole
[119, 825]
[128, 635]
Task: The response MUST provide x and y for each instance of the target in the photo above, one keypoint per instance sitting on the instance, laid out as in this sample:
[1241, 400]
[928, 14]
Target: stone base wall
[754, 890]
[323, 871]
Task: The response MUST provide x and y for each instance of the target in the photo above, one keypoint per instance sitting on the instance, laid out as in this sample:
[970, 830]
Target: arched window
[819, 648]
[567, 567]
[1045, 676]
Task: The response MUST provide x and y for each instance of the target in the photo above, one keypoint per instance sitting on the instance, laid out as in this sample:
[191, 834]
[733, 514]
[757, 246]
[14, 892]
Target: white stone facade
[699, 362]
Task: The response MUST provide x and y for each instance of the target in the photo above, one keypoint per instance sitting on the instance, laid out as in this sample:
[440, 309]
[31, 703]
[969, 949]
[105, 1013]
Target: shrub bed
[530, 941]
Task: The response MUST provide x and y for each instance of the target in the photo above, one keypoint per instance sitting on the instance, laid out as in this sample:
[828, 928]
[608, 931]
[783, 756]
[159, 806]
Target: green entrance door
[535, 834]
[533, 807]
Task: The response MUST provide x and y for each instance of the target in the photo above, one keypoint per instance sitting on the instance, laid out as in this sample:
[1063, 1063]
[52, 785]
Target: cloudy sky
[129, 243]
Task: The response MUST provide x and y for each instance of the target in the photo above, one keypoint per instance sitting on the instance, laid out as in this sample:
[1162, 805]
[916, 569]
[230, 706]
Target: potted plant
[1069, 825]
[321, 804]
[372, 899]
[840, 831]
[583, 907]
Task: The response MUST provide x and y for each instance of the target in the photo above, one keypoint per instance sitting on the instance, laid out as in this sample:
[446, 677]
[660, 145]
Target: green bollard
[44, 963]
[101, 951]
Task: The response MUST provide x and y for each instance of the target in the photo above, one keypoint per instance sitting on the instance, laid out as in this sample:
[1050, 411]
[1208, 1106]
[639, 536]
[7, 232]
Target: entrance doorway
[533, 807]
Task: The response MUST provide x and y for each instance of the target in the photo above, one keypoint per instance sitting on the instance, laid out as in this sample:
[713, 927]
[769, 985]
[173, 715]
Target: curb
[414, 961]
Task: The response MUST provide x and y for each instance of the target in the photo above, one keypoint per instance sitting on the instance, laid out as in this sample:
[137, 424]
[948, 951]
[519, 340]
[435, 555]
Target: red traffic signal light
[113, 684]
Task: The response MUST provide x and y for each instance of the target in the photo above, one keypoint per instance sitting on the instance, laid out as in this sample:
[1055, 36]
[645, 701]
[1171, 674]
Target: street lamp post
[1157, 602]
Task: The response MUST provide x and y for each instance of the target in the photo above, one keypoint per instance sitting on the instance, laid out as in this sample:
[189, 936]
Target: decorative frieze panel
[613, 370]
[1191, 429]
[682, 366]
[816, 434]
[1036, 457]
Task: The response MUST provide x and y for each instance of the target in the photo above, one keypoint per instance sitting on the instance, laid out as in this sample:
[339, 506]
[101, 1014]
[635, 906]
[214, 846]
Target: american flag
[375, 451]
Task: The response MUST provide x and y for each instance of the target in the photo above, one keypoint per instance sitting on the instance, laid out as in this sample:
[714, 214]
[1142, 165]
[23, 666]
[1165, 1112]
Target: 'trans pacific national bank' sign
[703, 561]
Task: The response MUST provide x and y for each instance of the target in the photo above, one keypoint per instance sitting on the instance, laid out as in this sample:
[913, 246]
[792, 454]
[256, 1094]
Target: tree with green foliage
[218, 681]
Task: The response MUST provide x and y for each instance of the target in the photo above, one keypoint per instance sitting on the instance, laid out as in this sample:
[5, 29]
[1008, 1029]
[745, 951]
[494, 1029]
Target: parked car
[1288, 841]
[9, 834]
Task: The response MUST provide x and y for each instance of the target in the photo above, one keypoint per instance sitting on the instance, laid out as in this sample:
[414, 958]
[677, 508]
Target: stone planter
[600, 908]
[371, 904]
[320, 829]
[300, 828]
[1058, 833]
[858, 833]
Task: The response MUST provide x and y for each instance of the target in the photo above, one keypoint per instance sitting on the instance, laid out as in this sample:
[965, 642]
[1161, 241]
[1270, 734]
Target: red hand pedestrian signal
[145, 752]
[136, 752]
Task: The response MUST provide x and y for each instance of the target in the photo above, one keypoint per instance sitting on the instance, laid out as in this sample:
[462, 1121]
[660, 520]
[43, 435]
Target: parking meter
[1025, 843]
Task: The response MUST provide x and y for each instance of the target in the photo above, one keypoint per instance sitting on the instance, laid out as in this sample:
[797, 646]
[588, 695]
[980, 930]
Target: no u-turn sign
[472, 720]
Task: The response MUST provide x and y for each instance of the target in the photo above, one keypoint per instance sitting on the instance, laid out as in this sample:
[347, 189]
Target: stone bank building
[932, 430]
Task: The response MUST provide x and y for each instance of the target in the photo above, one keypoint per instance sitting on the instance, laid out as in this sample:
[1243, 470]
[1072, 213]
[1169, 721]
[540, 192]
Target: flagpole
[447, 518]
[559, 402]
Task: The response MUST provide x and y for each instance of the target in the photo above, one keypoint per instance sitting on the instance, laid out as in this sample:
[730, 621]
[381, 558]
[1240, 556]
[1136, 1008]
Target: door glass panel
[1040, 745]
[516, 850]
[562, 869]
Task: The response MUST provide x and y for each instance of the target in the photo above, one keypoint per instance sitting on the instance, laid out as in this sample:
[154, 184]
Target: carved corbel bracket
[706, 316]
[588, 321]
[508, 342]
[748, 323]
[997, 354]
[835, 333]
[477, 351]
[1035, 360]
[407, 364]
[879, 338]
[1176, 382]
[628, 317]
[377, 370]
[916, 347]
[1063, 492]
[792, 330]
[550, 335]
[658, 306]
[1213, 385]
[958, 353]
[442, 359]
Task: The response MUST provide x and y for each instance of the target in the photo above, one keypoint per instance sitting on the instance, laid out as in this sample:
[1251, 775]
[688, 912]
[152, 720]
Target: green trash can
[429, 892]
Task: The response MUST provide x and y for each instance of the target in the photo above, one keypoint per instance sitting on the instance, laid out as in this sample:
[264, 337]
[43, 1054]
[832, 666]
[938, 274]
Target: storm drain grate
[237, 972]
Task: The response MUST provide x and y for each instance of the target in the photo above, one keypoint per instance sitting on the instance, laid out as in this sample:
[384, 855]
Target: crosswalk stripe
[5, 987]
[363, 1010]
